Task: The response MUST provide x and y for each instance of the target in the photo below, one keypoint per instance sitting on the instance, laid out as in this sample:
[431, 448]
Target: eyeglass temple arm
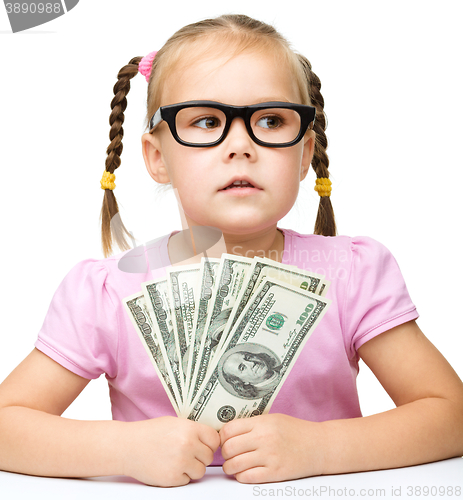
[156, 119]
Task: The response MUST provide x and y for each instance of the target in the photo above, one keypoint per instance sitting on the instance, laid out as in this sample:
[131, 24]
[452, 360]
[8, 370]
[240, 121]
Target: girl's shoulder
[144, 262]
[117, 276]
[365, 280]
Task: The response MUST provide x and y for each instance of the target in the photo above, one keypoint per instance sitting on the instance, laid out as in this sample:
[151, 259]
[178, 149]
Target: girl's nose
[238, 143]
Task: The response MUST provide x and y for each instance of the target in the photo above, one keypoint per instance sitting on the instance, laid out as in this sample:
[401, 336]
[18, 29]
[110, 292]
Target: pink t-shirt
[88, 331]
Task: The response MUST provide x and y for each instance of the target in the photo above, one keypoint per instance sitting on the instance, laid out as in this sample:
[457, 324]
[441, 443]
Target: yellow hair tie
[323, 186]
[107, 181]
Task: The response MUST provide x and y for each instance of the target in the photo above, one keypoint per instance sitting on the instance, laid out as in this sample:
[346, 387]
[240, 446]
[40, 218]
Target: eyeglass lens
[199, 125]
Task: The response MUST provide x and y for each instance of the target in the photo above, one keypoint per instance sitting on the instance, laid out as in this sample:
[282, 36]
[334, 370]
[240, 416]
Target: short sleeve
[80, 330]
[377, 298]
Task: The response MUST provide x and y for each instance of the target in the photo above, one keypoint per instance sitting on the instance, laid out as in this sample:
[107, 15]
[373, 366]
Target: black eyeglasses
[201, 124]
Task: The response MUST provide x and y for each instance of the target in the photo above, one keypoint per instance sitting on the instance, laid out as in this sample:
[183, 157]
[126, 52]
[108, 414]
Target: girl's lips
[242, 179]
[240, 191]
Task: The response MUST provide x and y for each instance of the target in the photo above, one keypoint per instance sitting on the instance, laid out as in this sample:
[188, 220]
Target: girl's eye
[208, 122]
[270, 122]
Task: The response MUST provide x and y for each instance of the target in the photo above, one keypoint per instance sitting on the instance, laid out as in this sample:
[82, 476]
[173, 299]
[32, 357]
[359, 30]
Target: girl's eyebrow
[271, 99]
[260, 100]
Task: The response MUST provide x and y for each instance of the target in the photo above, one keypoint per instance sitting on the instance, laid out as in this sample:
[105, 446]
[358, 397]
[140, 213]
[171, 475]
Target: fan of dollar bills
[224, 334]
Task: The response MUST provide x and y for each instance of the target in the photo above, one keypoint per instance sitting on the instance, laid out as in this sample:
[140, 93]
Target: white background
[391, 78]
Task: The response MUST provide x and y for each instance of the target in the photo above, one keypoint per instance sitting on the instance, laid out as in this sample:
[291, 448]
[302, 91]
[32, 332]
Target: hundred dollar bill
[261, 269]
[271, 261]
[207, 281]
[157, 299]
[324, 288]
[182, 284]
[138, 312]
[230, 277]
[323, 285]
[260, 352]
[306, 280]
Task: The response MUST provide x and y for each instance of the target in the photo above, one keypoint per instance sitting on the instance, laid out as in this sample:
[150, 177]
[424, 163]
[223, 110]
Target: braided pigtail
[110, 208]
[325, 223]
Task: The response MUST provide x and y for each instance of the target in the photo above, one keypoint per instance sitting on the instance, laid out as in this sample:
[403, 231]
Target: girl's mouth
[241, 188]
[239, 185]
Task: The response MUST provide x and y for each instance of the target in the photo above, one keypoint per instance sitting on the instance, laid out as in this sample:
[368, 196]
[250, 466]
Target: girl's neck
[269, 244]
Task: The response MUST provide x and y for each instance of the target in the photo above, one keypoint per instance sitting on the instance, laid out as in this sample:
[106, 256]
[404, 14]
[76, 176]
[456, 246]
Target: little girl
[261, 127]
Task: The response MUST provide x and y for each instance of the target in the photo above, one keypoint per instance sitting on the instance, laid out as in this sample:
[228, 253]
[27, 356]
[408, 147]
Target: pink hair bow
[145, 65]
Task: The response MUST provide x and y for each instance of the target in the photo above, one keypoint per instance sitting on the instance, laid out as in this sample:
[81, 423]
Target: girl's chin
[244, 228]
[239, 220]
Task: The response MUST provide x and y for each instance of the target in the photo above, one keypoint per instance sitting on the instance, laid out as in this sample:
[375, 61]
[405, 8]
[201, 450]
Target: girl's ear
[154, 162]
[308, 152]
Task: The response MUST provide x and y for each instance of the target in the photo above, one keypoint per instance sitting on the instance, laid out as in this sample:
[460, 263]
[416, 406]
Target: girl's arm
[35, 440]
[426, 426]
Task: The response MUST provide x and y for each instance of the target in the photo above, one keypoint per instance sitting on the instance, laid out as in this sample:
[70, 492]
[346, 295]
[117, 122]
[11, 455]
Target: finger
[243, 462]
[236, 427]
[204, 454]
[208, 436]
[254, 476]
[238, 445]
[196, 469]
[181, 481]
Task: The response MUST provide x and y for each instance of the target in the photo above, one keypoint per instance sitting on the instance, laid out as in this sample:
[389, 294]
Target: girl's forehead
[242, 79]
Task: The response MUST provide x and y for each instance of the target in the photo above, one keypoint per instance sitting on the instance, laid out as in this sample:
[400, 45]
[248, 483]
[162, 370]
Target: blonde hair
[238, 33]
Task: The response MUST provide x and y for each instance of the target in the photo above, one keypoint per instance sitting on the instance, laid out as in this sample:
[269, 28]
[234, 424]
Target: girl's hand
[167, 451]
[270, 448]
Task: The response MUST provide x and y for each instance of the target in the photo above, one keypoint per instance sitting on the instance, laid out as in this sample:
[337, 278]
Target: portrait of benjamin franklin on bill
[249, 371]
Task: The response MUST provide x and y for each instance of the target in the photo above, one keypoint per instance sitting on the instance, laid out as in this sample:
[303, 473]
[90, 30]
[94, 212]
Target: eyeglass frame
[168, 114]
